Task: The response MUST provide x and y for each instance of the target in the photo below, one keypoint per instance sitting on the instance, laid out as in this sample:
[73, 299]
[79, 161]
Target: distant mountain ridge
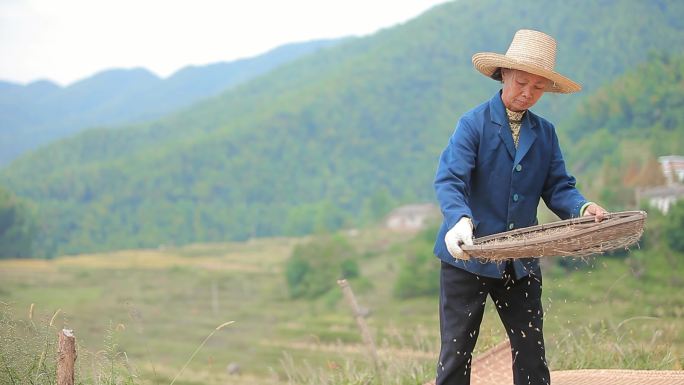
[326, 141]
[42, 111]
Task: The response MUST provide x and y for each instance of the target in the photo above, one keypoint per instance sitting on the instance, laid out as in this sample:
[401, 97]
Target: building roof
[676, 190]
[416, 209]
[671, 158]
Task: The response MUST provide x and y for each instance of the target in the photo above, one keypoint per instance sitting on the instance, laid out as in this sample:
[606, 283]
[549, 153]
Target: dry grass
[164, 303]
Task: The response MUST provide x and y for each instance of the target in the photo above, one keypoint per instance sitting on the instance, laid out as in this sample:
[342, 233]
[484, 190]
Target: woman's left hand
[596, 210]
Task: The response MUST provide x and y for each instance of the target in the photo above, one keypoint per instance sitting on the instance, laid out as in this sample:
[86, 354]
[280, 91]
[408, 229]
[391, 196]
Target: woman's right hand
[460, 234]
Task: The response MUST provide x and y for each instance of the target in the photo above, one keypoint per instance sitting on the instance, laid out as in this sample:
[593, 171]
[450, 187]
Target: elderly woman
[500, 161]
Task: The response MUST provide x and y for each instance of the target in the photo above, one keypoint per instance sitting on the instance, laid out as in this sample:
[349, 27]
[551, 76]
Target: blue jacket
[482, 176]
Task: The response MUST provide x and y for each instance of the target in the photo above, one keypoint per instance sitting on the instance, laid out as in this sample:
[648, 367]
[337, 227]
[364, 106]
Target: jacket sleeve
[452, 181]
[559, 193]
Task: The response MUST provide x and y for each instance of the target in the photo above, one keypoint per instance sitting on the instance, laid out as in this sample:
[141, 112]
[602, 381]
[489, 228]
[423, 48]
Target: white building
[662, 197]
[412, 217]
[673, 168]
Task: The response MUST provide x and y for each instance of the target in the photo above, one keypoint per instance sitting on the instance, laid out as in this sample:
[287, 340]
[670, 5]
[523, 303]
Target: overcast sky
[67, 40]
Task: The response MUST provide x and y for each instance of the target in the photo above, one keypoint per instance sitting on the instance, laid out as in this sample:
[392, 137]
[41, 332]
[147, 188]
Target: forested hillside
[619, 132]
[331, 140]
[40, 112]
[17, 226]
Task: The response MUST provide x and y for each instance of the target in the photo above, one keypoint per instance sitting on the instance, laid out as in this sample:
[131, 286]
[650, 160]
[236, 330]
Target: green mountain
[40, 112]
[330, 140]
[620, 130]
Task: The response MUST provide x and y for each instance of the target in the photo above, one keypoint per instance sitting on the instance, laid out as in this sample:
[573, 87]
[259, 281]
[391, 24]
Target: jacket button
[518, 167]
[511, 226]
[515, 197]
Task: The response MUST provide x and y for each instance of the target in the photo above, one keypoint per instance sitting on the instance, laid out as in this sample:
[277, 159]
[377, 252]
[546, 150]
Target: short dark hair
[496, 75]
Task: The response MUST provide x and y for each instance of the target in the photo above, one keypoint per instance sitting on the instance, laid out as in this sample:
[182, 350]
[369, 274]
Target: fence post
[365, 333]
[66, 357]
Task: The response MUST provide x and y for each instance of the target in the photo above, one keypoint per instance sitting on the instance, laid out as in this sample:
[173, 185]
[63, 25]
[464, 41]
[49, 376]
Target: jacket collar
[527, 132]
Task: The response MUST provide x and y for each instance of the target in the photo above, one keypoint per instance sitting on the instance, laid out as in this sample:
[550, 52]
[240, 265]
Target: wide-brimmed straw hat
[530, 51]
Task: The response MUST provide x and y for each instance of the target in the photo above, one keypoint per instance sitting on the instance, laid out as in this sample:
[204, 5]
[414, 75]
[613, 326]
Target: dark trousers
[461, 307]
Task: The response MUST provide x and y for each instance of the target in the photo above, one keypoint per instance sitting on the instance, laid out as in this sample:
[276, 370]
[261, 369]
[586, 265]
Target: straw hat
[530, 51]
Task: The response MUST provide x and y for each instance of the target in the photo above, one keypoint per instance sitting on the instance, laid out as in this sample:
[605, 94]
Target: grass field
[157, 306]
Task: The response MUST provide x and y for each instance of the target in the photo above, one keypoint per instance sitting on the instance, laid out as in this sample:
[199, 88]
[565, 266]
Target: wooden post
[363, 327]
[66, 357]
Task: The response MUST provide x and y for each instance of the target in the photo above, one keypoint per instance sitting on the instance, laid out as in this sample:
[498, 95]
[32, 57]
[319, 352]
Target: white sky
[67, 40]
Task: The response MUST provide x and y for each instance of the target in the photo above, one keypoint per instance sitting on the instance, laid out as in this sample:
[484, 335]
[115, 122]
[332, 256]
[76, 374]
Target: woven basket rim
[584, 225]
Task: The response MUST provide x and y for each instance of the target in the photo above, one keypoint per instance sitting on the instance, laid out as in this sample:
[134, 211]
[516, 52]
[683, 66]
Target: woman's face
[521, 90]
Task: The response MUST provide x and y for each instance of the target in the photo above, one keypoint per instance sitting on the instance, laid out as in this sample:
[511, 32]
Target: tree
[419, 269]
[17, 227]
[674, 227]
[314, 268]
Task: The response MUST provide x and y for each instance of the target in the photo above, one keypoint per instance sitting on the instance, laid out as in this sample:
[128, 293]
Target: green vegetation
[17, 226]
[41, 112]
[159, 305]
[311, 144]
[619, 131]
[27, 350]
[331, 141]
[28, 353]
[418, 274]
[314, 267]
[674, 227]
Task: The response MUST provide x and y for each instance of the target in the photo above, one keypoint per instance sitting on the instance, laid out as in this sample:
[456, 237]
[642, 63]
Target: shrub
[419, 269]
[674, 227]
[17, 226]
[314, 267]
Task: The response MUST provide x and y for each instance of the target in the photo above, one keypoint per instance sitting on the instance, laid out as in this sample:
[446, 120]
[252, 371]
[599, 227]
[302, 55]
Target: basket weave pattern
[577, 237]
[493, 367]
[617, 377]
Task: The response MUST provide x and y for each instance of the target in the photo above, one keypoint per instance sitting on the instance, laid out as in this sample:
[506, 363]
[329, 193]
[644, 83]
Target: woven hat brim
[488, 62]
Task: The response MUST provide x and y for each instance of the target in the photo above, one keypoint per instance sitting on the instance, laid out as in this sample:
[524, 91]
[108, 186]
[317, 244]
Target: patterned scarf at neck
[515, 121]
